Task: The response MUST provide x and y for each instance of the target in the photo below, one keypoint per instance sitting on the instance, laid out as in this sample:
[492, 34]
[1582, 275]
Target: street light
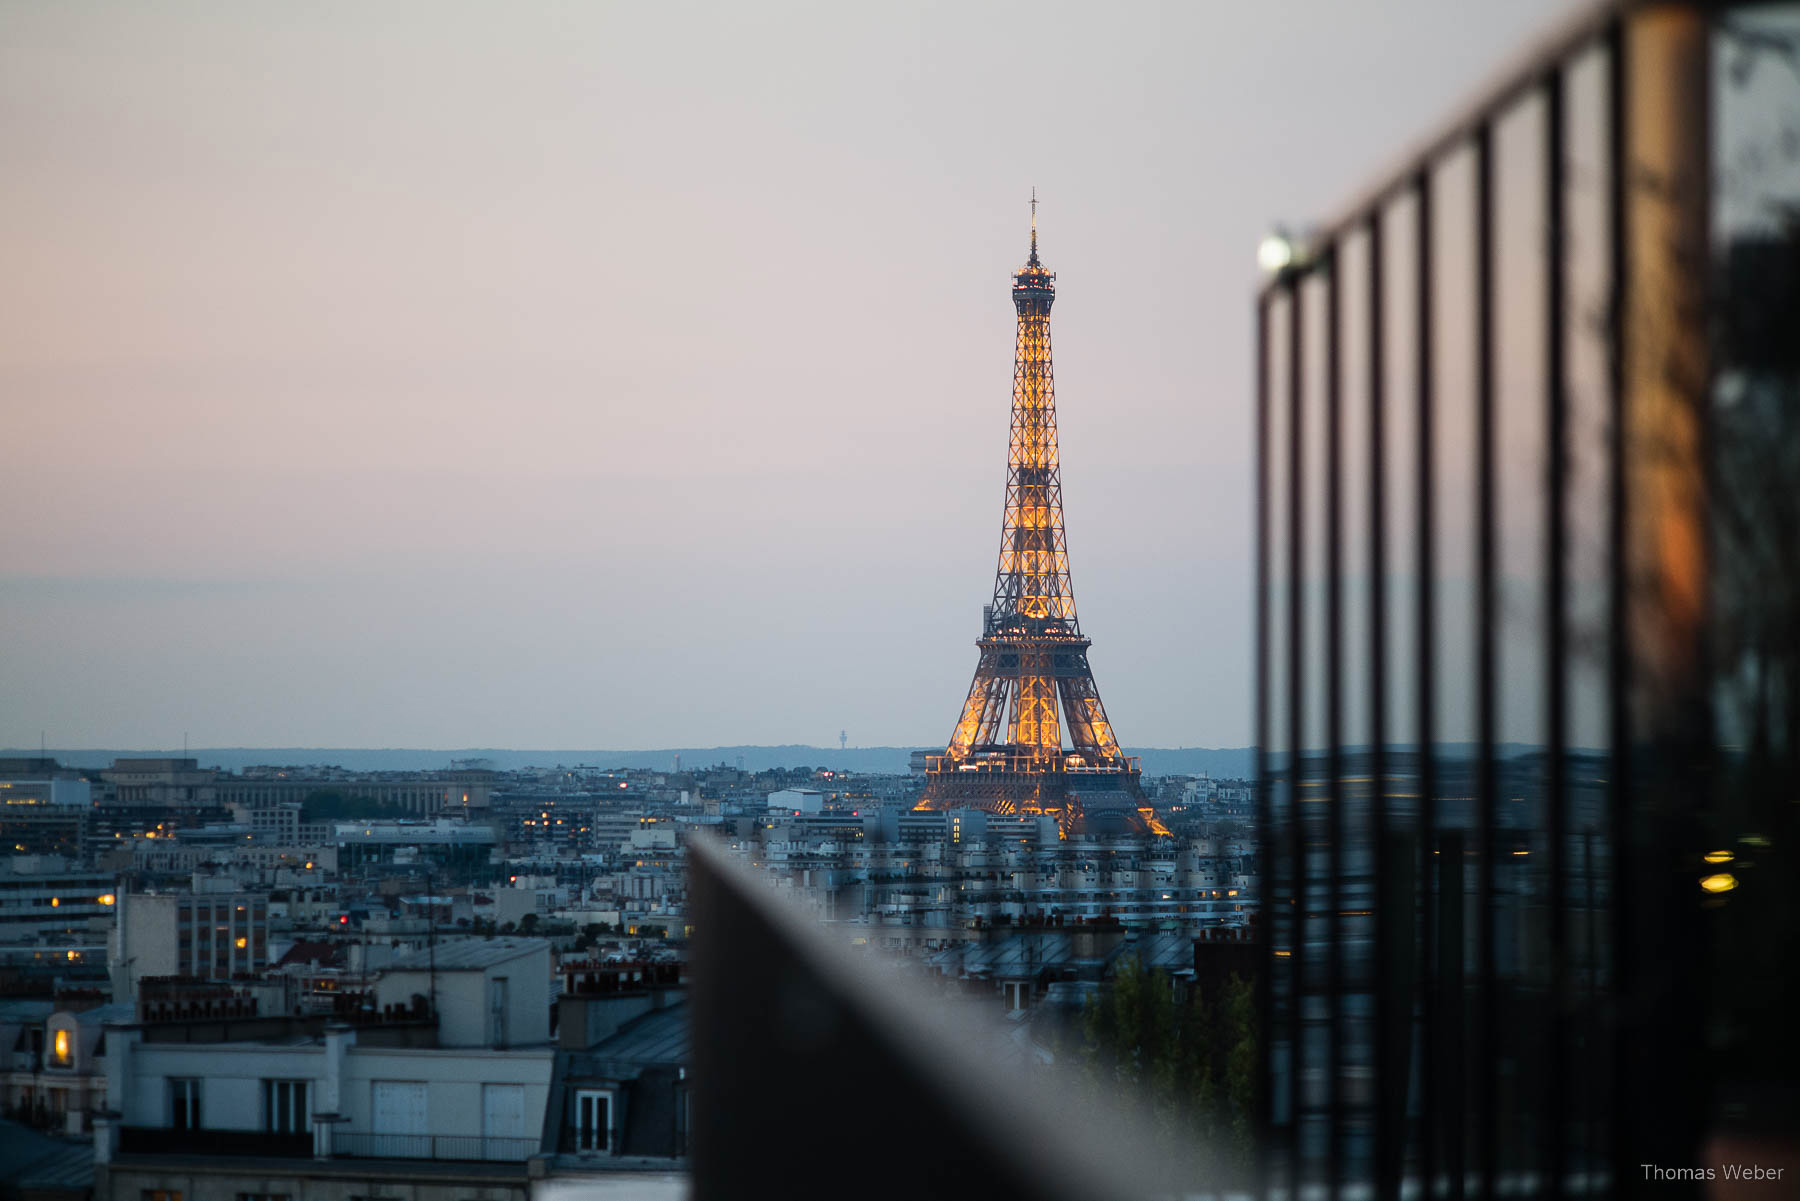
[1276, 252]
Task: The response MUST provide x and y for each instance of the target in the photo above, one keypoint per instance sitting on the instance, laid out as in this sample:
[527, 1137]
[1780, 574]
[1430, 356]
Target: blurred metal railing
[822, 1072]
[1505, 1029]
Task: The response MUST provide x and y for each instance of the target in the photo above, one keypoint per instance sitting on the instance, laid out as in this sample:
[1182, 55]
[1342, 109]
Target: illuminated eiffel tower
[1007, 754]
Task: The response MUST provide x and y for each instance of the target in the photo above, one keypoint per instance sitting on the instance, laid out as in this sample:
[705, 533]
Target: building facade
[210, 936]
[436, 1091]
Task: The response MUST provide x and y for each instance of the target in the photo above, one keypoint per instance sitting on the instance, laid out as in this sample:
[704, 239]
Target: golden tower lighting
[1007, 754]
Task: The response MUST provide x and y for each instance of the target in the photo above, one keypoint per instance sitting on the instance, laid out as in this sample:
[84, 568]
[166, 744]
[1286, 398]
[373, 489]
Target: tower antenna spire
[1034, 256]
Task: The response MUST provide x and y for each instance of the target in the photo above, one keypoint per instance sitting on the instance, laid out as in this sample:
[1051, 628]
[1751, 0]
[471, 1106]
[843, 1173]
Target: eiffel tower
[1007, 754]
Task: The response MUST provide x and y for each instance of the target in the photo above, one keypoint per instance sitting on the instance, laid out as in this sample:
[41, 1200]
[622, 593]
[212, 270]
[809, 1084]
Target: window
[157, 1194]
[497, 1010]
[397, 1112]
[265, 1197]
[284, 1106]
[184, 1104]
[593, 1120]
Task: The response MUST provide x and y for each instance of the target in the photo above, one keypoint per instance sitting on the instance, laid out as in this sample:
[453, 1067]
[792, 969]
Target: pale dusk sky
[637, 375]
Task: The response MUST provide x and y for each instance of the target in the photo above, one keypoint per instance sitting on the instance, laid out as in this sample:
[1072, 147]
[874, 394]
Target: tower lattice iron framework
[1006, 754]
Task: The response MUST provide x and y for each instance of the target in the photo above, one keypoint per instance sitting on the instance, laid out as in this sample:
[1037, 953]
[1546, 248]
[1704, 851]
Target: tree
[1191, 1061]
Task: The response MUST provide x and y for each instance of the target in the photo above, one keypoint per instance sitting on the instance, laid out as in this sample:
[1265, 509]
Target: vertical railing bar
[1296, 712]
[1486, 674]
[1334, 732]
[1265, 1095]
[1618, 668]
[1426, 725]
[1591, 1030]
[1387, 1182]
[1556, 640]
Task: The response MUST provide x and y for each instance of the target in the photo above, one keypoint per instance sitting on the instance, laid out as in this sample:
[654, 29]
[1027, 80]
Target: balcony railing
[162, 1140]
[787, 1023]
[1494, 770]
[474, 1148]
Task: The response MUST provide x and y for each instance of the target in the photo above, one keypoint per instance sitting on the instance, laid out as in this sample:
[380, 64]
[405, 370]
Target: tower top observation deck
[1034, 287]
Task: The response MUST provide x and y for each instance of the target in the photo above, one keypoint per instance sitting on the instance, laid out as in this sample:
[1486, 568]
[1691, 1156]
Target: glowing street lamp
[1275, 253]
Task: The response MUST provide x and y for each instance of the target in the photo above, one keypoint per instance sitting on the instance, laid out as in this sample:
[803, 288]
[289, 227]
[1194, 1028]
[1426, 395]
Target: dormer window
[593, 1120]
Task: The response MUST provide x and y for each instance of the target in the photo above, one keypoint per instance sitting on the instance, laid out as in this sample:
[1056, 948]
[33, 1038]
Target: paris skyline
[450, 377]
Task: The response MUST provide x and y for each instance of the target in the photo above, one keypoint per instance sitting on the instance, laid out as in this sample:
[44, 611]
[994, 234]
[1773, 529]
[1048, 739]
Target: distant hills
[1156, 761]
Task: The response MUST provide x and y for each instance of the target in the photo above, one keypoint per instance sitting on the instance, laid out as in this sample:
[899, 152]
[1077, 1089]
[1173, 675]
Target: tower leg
[982, 711]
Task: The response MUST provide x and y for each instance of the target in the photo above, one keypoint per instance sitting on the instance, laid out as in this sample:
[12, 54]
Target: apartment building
[212, 936]
[446, 1086]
